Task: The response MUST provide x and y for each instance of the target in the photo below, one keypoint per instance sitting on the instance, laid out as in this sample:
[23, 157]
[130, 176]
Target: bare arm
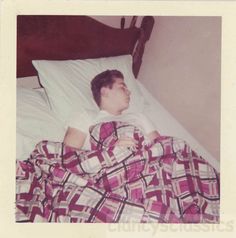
[74, 138]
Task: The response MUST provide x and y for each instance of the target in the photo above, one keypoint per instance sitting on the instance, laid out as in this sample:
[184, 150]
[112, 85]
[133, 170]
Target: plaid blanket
[159, 181]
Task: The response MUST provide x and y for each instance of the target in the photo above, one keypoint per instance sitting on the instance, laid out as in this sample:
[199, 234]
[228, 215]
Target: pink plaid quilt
[160, 181]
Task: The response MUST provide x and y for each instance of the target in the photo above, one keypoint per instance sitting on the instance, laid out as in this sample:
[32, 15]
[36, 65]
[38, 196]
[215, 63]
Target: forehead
[119, 81]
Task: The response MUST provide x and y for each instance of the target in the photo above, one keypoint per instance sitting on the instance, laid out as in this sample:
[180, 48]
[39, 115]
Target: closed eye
[124, 87]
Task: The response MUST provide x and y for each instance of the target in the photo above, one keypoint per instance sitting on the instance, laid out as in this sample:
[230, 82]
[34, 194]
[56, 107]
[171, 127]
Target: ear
[104, 91]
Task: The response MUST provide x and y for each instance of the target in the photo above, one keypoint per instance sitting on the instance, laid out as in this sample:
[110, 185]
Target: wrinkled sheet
[161, 181]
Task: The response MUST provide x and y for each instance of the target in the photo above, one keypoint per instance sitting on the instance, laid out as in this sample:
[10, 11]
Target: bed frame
[76, 37]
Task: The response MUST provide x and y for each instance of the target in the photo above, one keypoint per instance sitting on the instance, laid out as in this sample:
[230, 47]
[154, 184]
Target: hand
[126, 142]
[153, 135]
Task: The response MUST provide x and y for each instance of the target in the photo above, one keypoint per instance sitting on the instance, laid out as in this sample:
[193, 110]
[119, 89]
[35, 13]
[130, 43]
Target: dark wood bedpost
[145, 32]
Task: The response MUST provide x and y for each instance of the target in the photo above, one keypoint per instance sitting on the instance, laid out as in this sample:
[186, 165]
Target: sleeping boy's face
[119, 95]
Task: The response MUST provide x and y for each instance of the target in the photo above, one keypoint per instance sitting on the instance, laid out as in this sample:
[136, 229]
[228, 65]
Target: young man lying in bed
[112, 97]
[115, 168]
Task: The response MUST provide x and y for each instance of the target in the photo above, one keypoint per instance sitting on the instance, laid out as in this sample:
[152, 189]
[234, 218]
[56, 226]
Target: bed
[57, 56]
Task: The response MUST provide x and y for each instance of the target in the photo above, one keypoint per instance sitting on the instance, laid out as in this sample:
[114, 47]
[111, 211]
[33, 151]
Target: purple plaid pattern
[163, 181]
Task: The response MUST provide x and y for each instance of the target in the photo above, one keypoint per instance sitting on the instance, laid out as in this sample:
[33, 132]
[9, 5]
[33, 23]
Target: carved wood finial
[145, 32]
[133, 21]
[122, 23]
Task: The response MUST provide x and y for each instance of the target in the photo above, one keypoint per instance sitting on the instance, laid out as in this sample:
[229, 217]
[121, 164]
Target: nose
[128, 92]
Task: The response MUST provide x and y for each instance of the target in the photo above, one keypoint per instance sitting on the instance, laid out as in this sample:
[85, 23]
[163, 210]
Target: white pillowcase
[67, 82]
[35, 122]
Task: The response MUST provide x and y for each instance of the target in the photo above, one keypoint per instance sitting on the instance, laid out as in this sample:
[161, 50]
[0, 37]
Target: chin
[126, 107]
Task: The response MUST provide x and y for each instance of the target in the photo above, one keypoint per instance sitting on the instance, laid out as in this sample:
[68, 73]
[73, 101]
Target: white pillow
[34, 122]
[67, 82]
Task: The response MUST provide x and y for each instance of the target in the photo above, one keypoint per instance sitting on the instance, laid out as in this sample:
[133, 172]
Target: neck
[111, 110]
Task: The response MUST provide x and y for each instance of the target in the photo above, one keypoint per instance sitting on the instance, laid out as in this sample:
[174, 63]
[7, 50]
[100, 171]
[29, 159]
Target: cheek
[119, 98]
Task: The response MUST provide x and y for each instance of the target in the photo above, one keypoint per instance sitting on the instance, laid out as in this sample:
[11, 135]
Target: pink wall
[181, 68]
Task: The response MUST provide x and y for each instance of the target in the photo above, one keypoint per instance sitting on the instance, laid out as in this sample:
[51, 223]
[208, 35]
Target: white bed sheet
[35, 121]
[166, 124]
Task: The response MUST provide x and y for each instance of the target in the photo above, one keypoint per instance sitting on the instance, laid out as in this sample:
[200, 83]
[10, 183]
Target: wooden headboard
[76, 37]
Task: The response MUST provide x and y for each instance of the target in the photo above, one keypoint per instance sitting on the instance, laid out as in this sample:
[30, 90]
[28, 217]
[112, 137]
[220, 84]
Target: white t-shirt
[83, 119]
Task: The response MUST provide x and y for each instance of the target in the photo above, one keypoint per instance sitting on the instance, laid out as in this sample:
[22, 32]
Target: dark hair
[104, 79]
